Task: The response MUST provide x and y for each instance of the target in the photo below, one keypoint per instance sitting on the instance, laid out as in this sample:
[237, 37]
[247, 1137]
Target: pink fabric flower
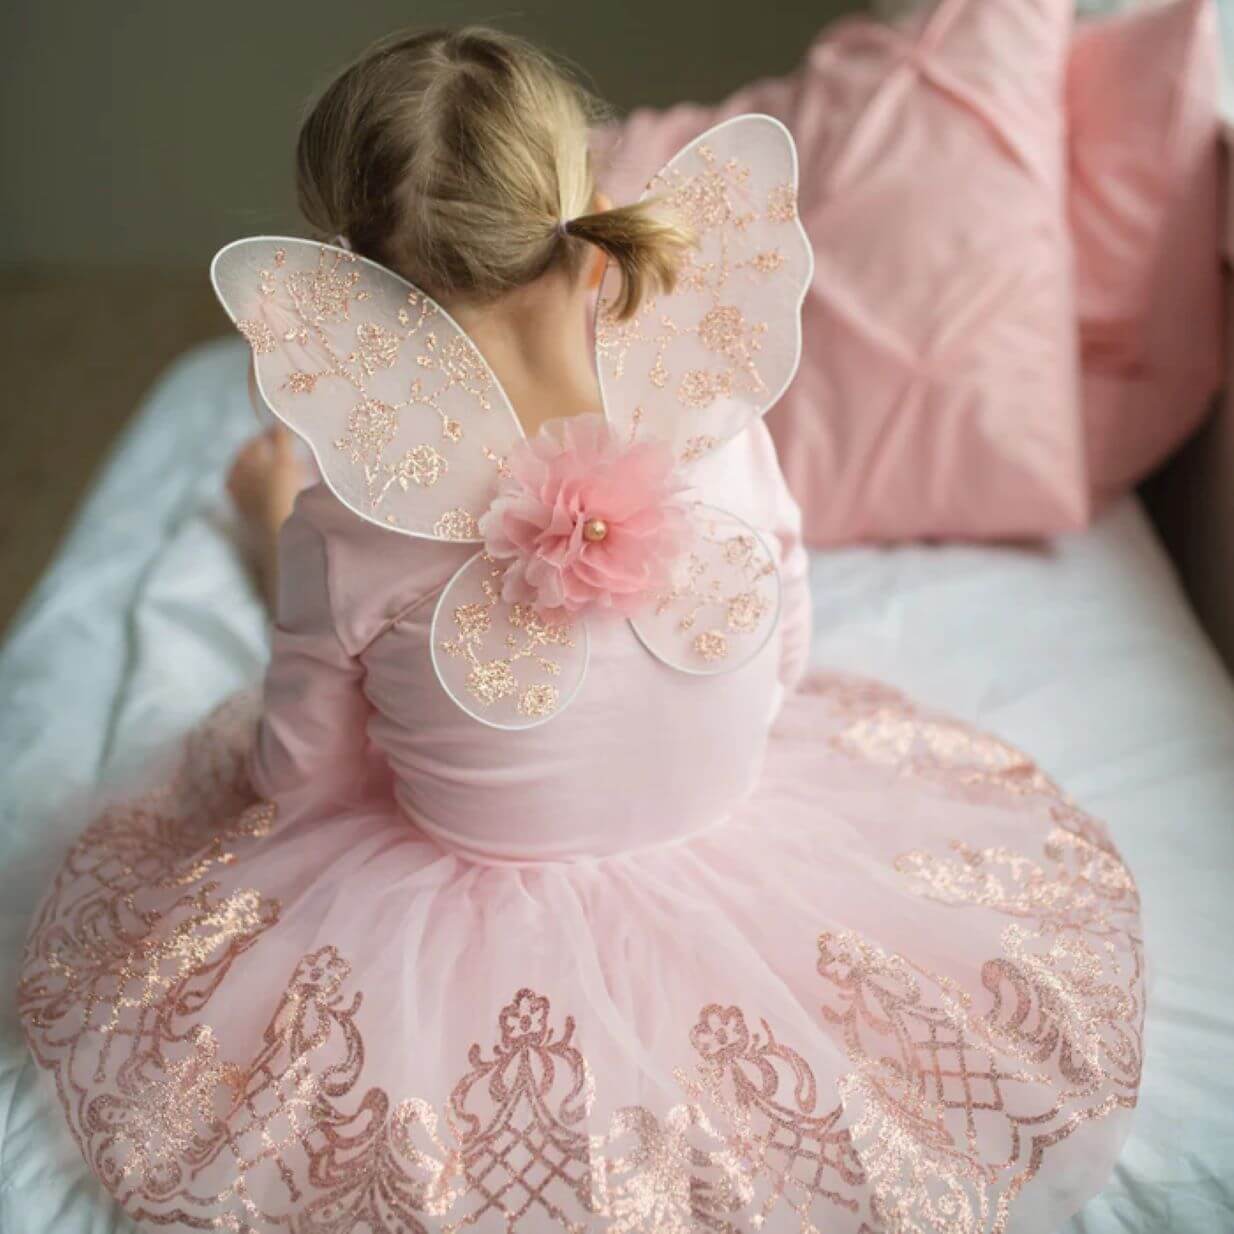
[564, 483]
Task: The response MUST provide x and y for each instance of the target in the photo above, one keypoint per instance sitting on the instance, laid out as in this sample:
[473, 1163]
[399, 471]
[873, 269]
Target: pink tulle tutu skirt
[899, 989]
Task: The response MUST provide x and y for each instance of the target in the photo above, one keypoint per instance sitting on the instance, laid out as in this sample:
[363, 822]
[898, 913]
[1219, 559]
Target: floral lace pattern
[696, 367]
[511, 665]
[1059, 1042]
[407, 419]
[931, 1108]
[413, 432]
[885, 728]
[724, 601]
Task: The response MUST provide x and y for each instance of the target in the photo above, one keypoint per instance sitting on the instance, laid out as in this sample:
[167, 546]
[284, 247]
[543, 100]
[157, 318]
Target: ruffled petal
[571, 472]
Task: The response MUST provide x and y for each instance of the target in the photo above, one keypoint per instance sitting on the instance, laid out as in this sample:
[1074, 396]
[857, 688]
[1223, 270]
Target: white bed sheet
[1082, 652]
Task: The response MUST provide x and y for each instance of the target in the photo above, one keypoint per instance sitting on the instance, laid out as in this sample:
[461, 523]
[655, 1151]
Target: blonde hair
[460, 159]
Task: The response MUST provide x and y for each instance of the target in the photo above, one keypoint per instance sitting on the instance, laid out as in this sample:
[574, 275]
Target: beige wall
[151, 131]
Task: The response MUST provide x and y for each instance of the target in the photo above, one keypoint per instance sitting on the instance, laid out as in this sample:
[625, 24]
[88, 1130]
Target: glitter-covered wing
[697, 366]
[724, 602]
[501, 663]
[406, 420]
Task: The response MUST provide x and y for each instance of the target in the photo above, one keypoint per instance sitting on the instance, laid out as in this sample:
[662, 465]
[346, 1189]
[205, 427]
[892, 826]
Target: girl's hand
[263, 482]
[265, 478]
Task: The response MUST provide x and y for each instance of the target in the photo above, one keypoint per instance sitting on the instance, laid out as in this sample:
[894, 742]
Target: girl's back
[644, 755]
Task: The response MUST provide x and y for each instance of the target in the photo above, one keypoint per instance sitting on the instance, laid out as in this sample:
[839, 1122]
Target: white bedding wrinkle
[1082, 652]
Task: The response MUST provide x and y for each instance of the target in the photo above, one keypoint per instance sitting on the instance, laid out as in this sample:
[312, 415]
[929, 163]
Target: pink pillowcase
[939, 394]
[1144, 203]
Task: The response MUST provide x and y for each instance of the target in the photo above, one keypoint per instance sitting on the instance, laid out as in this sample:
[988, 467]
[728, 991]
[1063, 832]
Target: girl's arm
[796, 615]
[312, 740]
[263, 482]
[749, 471]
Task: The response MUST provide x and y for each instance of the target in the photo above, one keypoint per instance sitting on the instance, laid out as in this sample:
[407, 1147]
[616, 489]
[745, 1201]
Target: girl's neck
[536, 339]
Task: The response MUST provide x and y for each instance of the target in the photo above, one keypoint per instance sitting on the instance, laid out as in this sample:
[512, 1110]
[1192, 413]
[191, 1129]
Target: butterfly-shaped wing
[412, 431]
[501, 663]
[696, 367]
[407, 422]
[724, 601]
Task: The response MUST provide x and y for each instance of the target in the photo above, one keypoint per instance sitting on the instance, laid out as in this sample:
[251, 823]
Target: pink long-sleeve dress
[706, 954]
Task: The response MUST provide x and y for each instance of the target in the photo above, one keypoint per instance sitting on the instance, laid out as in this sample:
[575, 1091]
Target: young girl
[546, 896]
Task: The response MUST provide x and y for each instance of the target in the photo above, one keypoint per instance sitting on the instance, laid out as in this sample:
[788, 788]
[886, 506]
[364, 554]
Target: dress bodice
[641, 743]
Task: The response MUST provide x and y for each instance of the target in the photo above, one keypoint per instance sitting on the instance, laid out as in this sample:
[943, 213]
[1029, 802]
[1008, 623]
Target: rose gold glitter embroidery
[379, 347]
[499, 462]
[724, 572]
[697, 389]
[371, 426]
[782, 204]
[767, 262]
[259, 335]
[1059, 1045]
[950, 1104]
[883, 727]
[766, 1097]
[169, 1104]
[540, 700]
[696, 447]
[544, 633]
[302, 383]
[1058, 1042]
[307, 304]
[493, 678]
[422, 465]
[324, 294]
[463, 365]
[492, 681]
[716, 201]
[473, 620]
[721, 328]
[739, 549]
[457, 525]
[745, 611]
[711, 645]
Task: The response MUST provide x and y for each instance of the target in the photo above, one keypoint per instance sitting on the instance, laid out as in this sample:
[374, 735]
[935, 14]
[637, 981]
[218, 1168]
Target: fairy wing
[504, 664]
[695, 367]
[406, 420]
[723, 603]
[411, 430]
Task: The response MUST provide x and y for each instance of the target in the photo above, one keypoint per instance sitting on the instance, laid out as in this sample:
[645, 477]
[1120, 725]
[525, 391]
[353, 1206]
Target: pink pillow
[937, 393]
[1142, 98]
